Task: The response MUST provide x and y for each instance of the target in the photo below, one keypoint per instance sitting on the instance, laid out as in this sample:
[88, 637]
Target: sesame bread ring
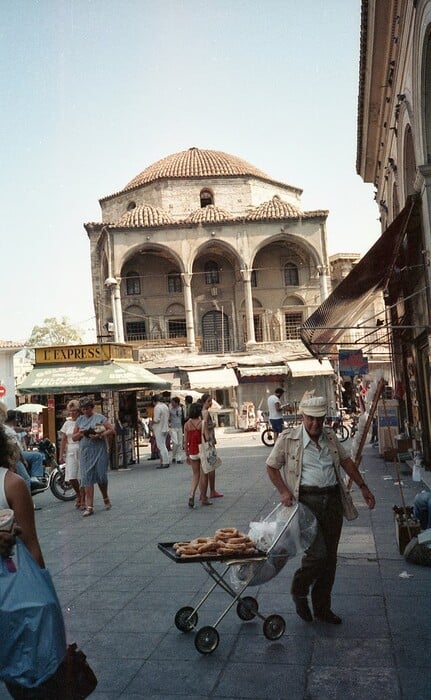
[238, 540]
[176, 545]
[226, 533]
[187, 550]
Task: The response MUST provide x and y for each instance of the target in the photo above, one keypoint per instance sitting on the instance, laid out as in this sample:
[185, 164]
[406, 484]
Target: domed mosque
[217, 267]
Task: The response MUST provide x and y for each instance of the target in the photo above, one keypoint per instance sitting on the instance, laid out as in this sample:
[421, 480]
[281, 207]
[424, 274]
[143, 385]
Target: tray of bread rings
[226, 543]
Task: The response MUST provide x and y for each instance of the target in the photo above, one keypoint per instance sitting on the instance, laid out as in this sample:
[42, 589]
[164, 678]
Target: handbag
[79, 678]
[209, 457]
[33, 636]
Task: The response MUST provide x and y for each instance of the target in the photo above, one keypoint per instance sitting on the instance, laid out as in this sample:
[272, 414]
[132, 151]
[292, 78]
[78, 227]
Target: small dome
[276, 208]
[209, 214]
[144, 215]
[196, 163]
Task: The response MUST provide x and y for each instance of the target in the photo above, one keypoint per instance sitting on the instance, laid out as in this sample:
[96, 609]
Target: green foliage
[54, 332]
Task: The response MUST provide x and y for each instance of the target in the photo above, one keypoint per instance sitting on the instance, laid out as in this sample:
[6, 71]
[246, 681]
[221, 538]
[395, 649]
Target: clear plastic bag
[283, 534]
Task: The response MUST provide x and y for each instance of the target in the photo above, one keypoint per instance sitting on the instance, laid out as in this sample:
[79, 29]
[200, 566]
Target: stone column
[323, 279]
[246, 276]
[190, 324]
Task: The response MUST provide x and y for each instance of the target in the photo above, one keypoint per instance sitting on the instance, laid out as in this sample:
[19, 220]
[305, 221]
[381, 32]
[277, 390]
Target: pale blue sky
[94, 91]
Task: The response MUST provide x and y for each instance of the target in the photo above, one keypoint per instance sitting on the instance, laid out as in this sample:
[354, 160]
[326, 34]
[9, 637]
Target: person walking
[275, 412]
[160, 425]
[304, 465]
[209, 436]
[69, 452]
[176, 422]
[192, 440]
[91, 430]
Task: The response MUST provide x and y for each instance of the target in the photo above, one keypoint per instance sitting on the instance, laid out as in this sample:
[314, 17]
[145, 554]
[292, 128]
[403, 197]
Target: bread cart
[245, 570]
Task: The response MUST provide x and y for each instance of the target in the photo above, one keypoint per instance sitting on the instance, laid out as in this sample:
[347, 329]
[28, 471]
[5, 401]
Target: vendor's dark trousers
[317, 571]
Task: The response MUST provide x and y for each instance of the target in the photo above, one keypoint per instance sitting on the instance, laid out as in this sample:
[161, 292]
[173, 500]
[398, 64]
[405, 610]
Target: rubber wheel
[60, 487]
[247, 608]
[274, 627]
[267, 437]
[186, 619]
[342, 433]
[207, 640]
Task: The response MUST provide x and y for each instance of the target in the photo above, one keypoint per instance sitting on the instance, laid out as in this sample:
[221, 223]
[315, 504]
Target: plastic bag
[31, 622]
[283, 534]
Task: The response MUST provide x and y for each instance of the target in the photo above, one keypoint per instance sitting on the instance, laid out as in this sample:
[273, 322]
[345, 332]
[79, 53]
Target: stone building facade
[204, 261]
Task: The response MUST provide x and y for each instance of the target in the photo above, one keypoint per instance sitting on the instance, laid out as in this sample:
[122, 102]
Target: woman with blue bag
[34, 661]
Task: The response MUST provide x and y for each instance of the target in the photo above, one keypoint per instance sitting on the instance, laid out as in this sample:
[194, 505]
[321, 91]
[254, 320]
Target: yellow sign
[64, 354]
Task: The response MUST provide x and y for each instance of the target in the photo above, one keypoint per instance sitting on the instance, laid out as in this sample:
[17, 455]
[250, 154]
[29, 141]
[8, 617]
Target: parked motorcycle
[54, 474]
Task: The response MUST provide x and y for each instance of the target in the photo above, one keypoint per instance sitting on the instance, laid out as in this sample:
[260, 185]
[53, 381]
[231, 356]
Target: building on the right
[393, 153]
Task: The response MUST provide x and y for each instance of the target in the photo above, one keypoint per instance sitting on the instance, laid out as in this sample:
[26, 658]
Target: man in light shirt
[304, 465]
[160, 425]
[275, 412]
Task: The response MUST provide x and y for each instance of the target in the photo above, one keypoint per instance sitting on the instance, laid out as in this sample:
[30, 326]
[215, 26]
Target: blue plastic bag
[31, 622]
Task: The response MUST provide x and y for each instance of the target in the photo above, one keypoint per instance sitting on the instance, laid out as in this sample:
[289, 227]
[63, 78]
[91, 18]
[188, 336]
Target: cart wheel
[247, 608]
[186, 619]
[207, 640]
[274, 626]
[267, 437]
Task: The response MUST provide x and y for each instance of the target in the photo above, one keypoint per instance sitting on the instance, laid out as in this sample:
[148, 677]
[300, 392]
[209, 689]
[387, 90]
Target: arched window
[174, 282]
[133, 283]
[206, 197]
[291, 276]
[215, 332]
[212, 272]
[134, 321]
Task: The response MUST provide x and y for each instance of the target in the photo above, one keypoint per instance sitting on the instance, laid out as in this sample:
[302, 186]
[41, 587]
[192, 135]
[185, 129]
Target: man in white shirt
[305, 466]
[160, 425]
[275, 412]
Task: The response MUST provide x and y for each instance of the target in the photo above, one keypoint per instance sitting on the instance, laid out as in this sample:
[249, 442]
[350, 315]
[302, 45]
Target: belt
[319, 491]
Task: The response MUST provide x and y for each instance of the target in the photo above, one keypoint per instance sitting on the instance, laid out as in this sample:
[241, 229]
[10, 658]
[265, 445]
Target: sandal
[108, 504]
[216, 494]
[87, 512]
[206, 502]
[191, 502]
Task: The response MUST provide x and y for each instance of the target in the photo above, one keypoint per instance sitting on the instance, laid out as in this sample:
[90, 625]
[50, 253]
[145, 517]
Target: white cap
[314, 406]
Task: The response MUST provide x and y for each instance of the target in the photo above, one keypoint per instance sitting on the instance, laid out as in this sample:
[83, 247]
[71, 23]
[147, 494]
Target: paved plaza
[120, 594]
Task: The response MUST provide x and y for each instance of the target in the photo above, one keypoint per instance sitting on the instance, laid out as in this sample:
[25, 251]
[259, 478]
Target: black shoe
[163, 466]
[328, 616]
[302, 608]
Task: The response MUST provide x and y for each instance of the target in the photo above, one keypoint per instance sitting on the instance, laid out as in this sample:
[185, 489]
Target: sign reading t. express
[352, 363]
[63, 354]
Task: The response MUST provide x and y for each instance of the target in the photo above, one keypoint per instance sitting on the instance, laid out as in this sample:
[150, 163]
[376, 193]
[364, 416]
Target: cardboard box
[404, 534]
[403, 444]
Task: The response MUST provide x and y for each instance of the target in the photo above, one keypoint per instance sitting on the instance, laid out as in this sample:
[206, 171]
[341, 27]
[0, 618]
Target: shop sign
[352, 363]
[64, 354]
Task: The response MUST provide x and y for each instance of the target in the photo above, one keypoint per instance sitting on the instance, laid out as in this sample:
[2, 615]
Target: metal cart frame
[186, 619]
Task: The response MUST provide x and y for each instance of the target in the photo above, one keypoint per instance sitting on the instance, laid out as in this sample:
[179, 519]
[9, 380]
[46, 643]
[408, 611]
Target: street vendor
[304, 466]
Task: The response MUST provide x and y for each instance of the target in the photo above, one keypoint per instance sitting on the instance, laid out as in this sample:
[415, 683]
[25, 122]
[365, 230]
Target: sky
[94, 91]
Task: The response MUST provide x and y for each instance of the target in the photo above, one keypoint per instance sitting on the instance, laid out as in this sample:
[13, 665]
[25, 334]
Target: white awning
[263, 371]
[220, 378]
[309, 368]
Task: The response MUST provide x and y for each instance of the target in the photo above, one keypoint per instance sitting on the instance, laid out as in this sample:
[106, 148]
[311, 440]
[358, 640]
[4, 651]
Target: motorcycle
[54, 474]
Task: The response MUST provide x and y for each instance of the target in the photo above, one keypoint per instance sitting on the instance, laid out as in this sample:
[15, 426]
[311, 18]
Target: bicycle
[336, 423]
[290, 420]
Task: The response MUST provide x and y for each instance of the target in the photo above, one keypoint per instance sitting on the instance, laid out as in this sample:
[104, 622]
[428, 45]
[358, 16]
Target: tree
[54, 332]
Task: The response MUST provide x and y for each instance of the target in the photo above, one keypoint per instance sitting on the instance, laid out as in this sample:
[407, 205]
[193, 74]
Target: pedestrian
[422, 509]
[192, 440]
[91, 430]
[160, 426]
[304, 465]
[176, 422]
[275, 412]
[188, 400]
[32, 459]
[69, 452]
[209, 435]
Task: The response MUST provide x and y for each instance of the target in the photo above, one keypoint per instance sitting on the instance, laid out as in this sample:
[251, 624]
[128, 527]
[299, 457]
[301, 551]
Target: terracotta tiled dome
[144, 215]
[208, 214]
[276, 208]
[196, 163]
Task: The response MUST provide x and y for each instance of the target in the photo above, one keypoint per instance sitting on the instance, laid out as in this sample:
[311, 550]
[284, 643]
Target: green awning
[107, 376]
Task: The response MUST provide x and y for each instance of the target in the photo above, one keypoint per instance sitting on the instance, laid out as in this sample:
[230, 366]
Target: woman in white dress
[69, 452]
